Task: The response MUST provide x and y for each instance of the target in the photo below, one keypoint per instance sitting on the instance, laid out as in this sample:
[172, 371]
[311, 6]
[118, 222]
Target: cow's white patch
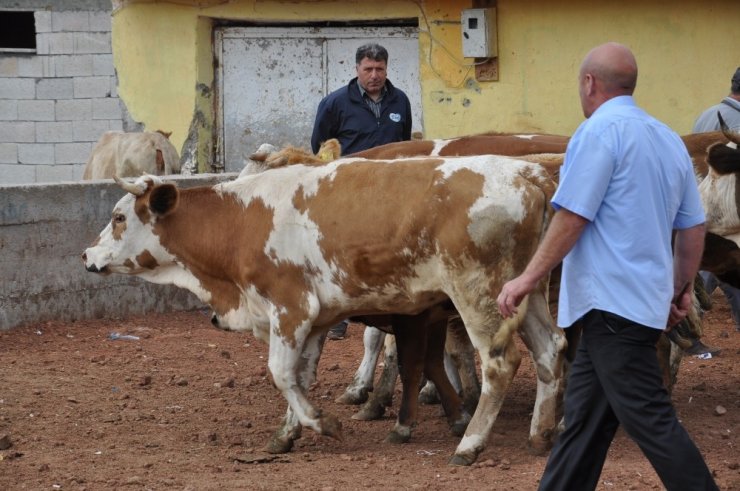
[718, 197]
[500, 201]
[440, 144]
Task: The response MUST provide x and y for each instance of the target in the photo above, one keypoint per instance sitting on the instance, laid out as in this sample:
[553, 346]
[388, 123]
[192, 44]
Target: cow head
[268, 157]
[720, 190]
[128, 244]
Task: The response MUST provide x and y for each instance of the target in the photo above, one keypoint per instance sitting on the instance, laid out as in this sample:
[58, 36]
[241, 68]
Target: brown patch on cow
[146, 260]
[697, 145]
[118, 225]
[226, 251]
[502, 145]
[129, 264]
[397, 150]
[381, 241]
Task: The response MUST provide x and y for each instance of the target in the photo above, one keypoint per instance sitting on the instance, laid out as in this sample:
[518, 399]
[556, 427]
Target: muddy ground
[189, 407]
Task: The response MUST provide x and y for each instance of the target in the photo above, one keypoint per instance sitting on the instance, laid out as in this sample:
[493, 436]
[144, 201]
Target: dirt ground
[189, 407]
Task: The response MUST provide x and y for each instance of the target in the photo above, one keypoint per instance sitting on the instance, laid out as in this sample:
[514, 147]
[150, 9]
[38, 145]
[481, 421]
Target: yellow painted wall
[686, 52]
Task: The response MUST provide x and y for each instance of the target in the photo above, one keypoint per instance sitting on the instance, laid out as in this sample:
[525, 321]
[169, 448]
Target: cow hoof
[353, 398]
[429, 395]
[399, 435]
[279, 445]
[462, 460]
[540, 445]
[331, 426]
[369, 412]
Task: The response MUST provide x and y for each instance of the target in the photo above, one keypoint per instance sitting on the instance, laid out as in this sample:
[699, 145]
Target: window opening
[17, 31]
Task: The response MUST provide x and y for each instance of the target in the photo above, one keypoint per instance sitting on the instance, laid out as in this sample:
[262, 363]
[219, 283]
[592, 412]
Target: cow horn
[128, 186]
[730, 135]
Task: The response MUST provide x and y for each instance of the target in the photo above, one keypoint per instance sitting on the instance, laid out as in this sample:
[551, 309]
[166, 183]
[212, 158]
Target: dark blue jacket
[345, 116]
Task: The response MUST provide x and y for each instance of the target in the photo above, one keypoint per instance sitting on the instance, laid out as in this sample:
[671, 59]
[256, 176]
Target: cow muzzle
[92, 267]
[219, 322]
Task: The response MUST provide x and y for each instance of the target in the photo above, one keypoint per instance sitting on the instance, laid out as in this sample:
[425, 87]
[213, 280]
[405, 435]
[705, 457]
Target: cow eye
[119, 218]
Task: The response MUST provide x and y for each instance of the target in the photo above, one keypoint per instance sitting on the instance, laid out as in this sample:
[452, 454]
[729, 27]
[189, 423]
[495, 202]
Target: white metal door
[272, 79]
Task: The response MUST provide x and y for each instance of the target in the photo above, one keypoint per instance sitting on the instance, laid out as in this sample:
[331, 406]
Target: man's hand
[680, 307]
[561, 235]
[513, 293]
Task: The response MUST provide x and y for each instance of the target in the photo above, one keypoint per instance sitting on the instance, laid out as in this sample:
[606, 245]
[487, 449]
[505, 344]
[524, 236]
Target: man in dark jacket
[367, 112]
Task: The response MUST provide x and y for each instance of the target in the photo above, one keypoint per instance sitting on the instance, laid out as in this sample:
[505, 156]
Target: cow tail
[548, 186]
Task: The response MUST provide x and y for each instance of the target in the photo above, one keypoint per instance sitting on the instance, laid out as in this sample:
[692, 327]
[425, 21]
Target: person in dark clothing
[367, 112]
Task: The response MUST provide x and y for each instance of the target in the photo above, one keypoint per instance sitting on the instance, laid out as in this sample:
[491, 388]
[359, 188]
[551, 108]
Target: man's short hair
[373, 51]
[736, 82]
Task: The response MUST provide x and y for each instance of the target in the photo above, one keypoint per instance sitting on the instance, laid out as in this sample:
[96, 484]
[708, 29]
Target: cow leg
[411, 346]
[547, 346]
[382, 396]
[462, 353]
[362, 382]
[435, 371]
[293, 368]
[492, 336]
[290, 429]
[288, 432]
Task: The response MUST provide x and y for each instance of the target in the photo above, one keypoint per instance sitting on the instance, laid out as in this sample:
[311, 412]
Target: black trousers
[615, 379]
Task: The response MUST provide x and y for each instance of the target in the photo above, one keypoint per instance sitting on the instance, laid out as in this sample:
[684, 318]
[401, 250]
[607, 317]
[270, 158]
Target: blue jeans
[732, 294]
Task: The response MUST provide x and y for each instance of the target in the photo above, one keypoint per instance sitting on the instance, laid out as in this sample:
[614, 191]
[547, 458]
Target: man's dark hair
[735, 82]
[373, 51]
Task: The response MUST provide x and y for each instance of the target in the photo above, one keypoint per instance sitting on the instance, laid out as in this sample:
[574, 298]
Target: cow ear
[723, 159]
[163, 199]
[259, 157]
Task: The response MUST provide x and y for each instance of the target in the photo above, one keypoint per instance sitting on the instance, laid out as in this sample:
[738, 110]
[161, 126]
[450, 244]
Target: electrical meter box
[479, 33]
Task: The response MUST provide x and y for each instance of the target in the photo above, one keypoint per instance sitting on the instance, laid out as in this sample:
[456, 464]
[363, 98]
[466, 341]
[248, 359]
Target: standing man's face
[371, 74]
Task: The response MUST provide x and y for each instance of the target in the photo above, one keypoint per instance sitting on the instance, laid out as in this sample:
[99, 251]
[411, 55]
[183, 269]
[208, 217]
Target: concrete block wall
[56, 103]
[44, 228]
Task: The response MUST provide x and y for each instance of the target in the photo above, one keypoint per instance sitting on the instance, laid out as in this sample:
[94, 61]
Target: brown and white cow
[484, 144]
[131, 155]
[537, 148]
[531, 146]
[283, 253]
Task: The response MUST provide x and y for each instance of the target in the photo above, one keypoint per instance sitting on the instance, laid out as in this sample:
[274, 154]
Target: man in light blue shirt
[627, 182]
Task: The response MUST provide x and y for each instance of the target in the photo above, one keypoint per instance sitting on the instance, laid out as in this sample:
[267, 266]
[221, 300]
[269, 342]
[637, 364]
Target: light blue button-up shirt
[632, 178]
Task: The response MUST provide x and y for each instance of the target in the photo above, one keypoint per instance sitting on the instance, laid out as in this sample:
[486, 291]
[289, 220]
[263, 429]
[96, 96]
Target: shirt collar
[363, 92]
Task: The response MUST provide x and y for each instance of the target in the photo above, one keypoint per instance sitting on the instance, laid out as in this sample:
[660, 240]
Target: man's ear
[590, 84]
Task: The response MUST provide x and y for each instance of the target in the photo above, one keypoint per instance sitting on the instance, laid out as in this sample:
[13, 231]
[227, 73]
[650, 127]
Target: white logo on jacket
[395, 117]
